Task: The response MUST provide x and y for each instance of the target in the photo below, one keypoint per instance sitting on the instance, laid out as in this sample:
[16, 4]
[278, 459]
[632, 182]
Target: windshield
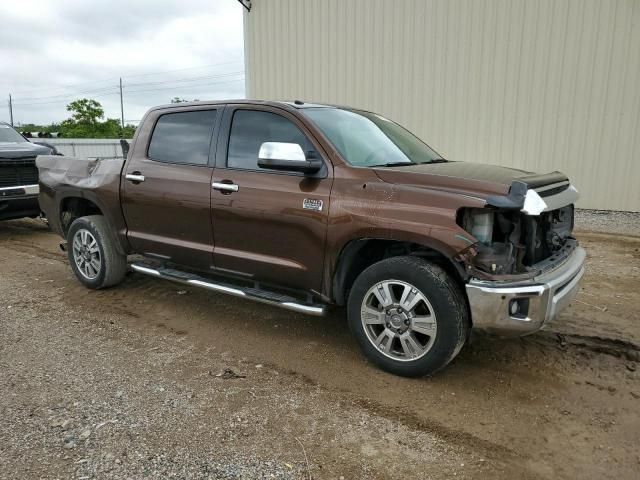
[368, 140]
[8, 134]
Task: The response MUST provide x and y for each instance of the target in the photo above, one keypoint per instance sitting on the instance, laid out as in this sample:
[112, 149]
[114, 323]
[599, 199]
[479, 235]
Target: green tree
[86, 111]
[85, 122]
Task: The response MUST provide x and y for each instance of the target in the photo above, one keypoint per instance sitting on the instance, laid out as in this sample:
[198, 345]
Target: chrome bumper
[19, 191]
[520, 308]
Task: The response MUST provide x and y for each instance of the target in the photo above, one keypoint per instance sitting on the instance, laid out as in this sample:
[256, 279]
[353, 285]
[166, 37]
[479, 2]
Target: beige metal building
[535, 84]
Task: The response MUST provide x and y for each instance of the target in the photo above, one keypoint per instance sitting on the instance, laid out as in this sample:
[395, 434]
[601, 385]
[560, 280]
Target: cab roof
[296, 104]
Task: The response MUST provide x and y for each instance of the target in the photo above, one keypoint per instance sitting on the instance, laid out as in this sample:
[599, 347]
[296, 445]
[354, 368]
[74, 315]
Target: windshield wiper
[436, 160]
[393, 164]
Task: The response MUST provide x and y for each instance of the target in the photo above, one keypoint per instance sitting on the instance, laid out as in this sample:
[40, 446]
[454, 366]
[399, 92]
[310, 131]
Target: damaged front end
[514, 244]
[525, 266]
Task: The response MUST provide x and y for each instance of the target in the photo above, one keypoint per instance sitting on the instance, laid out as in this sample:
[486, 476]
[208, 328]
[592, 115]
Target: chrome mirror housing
[287, 157]
[291, 152]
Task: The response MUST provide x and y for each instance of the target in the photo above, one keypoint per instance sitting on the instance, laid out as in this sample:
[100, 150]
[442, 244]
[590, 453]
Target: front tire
[408, 315]
[93, 254]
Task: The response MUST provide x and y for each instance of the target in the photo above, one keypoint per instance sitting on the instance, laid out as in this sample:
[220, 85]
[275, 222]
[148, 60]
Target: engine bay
[513, 243]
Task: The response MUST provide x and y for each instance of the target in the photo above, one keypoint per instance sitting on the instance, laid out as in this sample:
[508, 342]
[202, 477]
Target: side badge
[312, 204]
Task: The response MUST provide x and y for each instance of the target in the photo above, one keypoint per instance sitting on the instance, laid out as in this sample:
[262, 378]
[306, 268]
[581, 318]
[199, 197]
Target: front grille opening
[511, 242]
[16, 172]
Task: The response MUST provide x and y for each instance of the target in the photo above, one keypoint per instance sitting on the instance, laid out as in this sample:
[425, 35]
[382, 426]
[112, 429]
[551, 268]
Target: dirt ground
[153, 380]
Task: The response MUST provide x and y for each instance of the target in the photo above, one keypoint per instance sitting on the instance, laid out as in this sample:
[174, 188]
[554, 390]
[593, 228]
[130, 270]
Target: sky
[55, 51]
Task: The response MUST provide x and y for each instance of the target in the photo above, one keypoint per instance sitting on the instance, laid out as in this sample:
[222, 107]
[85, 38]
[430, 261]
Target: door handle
[135, 177]
[225, 187]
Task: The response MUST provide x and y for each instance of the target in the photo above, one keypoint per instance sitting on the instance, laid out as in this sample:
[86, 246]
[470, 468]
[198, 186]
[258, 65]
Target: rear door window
[183, 137]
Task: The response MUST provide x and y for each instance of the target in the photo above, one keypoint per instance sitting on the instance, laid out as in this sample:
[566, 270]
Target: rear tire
[92, 252]
[408, 315]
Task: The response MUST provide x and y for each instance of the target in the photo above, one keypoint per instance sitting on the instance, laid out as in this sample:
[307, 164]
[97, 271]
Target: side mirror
[287, 157]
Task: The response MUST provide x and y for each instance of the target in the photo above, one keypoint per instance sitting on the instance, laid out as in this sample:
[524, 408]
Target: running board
[258, 295]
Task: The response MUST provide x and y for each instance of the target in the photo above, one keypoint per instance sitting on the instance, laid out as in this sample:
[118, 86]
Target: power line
[173, 87]
[63, 100]
[94, 90]
[186, 86]
[187, 68]
[190, 79]
[114, 79]
[63, 87]
[115, 88]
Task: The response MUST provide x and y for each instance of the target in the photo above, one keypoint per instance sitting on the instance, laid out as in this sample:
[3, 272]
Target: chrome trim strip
[145, 270]
[217, 288]
[562, 199]
[534, 204]
[316, 310]
[28, 189]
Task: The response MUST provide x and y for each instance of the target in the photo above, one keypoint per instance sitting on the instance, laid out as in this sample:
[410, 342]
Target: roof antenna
[298, 102]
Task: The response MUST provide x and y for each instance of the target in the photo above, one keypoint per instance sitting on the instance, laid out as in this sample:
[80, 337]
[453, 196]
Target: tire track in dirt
[28, 248]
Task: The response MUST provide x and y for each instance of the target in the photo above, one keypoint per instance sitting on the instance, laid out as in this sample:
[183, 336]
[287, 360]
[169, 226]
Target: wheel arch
[359, 254]
[74, 205]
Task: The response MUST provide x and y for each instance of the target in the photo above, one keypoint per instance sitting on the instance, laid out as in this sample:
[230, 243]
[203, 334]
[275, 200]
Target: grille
[18, 171]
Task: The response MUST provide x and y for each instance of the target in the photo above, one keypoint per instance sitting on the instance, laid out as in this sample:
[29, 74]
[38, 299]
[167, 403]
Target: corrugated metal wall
[86, 147]
[536, 84]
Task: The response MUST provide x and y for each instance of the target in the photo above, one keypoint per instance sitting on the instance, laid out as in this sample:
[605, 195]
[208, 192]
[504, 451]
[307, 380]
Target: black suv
[19, 174]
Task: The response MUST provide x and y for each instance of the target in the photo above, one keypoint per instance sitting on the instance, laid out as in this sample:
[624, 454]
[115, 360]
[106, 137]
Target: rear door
[269, 225]
[167, 186]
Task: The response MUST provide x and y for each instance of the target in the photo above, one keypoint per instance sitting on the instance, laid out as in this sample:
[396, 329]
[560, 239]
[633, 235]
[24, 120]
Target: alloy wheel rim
[86, 254]
[398, 320]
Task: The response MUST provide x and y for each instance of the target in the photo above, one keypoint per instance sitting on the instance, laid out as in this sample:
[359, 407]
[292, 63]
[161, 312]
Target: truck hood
[21, 150]
[475, 179]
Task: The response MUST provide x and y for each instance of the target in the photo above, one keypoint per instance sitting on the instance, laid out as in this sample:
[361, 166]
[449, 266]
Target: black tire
[113, 264]
[447, 302]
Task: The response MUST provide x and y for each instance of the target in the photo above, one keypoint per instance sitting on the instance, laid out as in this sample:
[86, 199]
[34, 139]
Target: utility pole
[121, 107]
[11, 110]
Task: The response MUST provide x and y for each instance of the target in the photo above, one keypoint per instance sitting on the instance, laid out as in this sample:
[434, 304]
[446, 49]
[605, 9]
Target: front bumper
[18, 202]
[536, 302]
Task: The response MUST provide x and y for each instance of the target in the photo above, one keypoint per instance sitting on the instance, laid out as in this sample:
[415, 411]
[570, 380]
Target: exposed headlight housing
[479, 223]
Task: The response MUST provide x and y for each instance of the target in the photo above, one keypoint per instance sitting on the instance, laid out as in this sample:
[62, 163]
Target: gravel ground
[152, 380]
[625, 223]
[90, 398]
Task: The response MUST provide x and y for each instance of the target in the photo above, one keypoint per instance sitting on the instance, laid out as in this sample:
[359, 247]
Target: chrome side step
[262, 296]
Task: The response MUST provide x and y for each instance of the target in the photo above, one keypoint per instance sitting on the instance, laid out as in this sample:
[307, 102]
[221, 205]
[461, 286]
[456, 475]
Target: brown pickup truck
[305, 206]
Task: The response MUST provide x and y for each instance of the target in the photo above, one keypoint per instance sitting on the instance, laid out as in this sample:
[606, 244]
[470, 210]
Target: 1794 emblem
[312, 204]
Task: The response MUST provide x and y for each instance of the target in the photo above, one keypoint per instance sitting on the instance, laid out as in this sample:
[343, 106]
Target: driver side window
[251, 128]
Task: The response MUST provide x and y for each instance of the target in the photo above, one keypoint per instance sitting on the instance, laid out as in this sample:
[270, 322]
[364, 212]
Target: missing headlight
[479, 223]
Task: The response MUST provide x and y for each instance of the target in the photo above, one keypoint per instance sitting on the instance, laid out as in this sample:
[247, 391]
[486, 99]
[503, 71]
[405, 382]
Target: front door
[269, 225]
[167, 189]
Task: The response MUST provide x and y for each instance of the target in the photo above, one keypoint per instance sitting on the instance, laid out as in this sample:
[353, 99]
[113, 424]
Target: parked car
[306, 206]
[19, 174]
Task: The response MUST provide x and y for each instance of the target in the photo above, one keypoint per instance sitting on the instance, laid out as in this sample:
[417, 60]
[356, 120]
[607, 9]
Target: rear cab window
[183, 137]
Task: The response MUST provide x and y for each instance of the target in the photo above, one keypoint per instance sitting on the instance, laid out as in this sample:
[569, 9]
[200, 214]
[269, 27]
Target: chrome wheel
[86, 254]
[398, 320]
